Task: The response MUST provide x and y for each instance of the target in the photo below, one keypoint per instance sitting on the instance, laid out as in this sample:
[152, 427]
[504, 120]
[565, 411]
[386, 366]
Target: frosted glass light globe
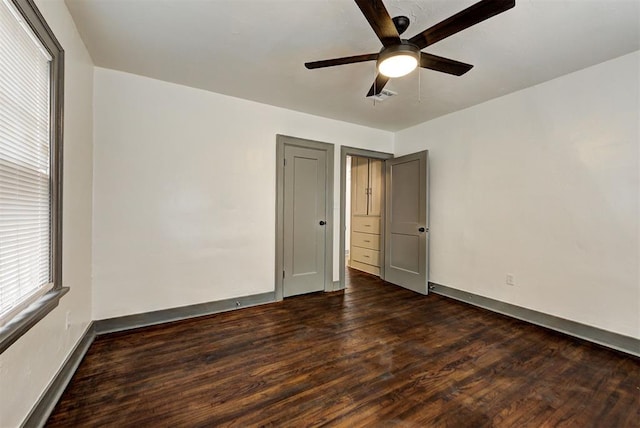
[398, 65]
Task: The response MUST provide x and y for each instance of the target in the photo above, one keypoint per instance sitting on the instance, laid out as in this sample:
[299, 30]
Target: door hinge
[282, 274]
[285, 162]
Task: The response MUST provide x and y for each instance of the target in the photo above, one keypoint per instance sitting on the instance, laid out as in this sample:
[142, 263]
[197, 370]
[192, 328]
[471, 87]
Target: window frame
[33, 313]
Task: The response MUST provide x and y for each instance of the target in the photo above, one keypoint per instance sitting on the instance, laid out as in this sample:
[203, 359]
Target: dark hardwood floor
[374, 355]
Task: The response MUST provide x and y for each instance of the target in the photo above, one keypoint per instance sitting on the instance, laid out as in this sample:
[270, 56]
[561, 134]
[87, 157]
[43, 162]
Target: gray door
[304, 211]
[406, 232]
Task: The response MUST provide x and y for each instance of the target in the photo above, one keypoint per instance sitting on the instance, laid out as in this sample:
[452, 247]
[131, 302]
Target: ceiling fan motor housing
[404, 48]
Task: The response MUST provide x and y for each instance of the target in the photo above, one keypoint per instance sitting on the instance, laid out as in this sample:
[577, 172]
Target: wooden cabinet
[375, 186]
[366, 211]
[359, 186]
[366, 181]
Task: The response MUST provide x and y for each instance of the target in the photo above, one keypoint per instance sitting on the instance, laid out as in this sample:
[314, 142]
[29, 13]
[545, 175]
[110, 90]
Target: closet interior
[365, 214]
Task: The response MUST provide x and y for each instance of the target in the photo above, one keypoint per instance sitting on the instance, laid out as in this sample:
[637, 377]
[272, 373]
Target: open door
[406, 231]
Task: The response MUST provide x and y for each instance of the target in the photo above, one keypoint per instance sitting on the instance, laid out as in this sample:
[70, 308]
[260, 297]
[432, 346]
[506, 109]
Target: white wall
[542, 184]
[184, 202]
[27, 367]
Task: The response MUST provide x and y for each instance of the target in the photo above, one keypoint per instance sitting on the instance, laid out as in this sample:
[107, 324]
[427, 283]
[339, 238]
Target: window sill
[26, 319]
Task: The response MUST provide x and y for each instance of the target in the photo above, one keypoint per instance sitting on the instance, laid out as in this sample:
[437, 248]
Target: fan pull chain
[419, 87]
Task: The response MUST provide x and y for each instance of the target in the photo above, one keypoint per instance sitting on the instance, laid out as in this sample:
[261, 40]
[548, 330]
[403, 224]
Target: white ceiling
[255, 49]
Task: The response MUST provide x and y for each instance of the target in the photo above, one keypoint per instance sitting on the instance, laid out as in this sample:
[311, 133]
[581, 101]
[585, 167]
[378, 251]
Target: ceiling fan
[399, 57]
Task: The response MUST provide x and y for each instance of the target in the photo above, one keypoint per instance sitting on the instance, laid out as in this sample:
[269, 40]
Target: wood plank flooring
[374, 355]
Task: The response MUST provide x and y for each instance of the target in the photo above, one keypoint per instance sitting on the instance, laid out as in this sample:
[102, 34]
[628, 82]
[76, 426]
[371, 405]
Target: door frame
[354, 151]
[281, 142]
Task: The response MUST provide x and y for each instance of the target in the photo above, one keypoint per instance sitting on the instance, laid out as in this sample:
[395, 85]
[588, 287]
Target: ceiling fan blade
[470, 16]
[341, 61]
[380, 21]
[378, 85]
[445, 65]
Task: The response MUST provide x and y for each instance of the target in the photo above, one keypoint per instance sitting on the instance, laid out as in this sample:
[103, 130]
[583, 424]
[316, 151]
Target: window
[31, 76]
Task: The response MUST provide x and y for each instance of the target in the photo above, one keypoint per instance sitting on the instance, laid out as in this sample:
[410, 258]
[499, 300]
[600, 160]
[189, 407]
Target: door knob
[322, 222]
[422, 229]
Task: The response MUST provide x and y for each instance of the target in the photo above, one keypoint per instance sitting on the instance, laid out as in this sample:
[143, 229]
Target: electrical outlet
[510, 280]
[67, 322]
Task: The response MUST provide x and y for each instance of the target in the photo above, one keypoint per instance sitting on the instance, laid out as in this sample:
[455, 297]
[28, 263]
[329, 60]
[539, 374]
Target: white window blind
[25, 213]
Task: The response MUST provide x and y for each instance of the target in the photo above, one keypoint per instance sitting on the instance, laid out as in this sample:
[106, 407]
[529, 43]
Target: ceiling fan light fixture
[398, 60]
[398, 65]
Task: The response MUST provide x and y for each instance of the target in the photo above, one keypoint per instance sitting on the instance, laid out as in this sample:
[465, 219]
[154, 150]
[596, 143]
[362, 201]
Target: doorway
[363, 206]
[304, 208]
[403, 225]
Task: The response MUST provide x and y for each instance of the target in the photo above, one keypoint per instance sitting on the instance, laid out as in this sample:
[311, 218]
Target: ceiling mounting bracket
[401, 23]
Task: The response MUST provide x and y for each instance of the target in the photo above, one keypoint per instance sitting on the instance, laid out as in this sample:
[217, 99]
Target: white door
[406, 232]
[304, 223]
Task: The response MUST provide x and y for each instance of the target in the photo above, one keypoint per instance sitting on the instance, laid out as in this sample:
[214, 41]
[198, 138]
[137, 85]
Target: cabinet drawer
[375, 270]
[368, 224]
[365, 255]
[365, 240]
